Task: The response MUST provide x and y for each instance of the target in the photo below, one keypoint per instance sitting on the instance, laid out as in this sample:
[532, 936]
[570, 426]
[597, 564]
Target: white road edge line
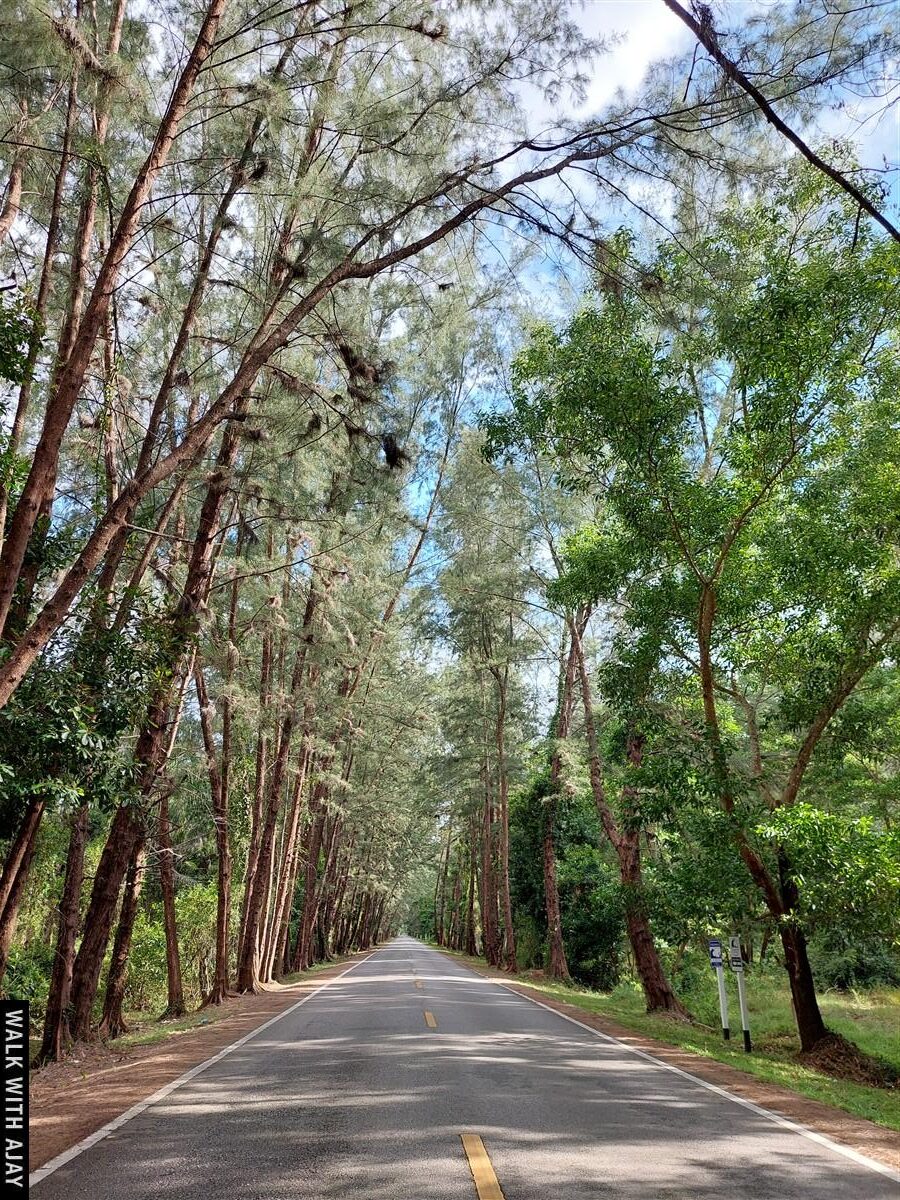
[776, 1118]
[98, 1135]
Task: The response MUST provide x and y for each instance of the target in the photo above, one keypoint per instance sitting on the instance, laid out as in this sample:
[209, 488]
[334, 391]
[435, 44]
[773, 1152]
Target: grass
[870, 1019]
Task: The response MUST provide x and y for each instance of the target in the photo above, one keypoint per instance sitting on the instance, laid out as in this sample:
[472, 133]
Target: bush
[592, 918]
[28, 978]
[844, 962]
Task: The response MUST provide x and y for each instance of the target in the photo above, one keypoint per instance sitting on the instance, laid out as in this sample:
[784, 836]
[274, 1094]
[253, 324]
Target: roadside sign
[735, 956]
[737, 965]
[717, 962]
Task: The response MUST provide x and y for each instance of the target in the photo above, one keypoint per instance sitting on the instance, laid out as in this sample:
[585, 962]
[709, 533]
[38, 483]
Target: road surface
[365, 1091]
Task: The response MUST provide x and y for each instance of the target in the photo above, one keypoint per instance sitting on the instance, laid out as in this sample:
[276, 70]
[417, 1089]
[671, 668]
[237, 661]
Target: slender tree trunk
[471, 941]
[15, 894]
[303, 950]
[175, 1006]
[15, 873]
[218, 786]
[557, 966]
[259, 791]
[112, 1023]
[441, 889]
[509, 936]
[56, 1031]
[13, 194]
[489, 928]
[658, 992]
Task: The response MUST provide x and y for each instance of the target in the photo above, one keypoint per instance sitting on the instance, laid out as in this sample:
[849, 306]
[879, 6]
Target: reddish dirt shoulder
[865, 1137]
[68, 1101]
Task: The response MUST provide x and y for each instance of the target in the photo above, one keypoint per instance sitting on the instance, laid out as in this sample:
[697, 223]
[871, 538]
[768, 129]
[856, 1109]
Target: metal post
[715, 959]
[737, 965]
[723, 1002]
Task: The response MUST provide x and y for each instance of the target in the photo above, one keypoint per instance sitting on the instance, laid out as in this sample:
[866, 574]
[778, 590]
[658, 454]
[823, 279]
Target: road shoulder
[864, 1137]
[71, 1100]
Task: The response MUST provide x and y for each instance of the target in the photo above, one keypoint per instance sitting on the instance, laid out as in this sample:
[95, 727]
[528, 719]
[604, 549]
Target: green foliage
[28, 978]
[592, 916]
[16, 324]
[847, 869]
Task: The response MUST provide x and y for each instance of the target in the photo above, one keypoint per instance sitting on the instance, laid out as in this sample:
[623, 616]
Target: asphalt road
[355, 1095]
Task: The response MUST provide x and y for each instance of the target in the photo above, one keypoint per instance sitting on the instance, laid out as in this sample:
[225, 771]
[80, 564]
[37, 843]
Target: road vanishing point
[412, 1077]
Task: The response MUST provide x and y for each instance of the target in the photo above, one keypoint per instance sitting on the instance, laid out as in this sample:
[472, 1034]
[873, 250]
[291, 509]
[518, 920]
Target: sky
[650, 31]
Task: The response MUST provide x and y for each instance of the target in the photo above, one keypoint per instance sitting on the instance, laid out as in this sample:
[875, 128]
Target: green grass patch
[870, 1019]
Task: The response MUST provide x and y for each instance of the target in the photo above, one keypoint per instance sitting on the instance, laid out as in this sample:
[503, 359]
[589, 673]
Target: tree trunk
[15, 877]
[471, 941]
[218, 786]
[441, 890]
[658, 992]
[56, 1031]
[810, 1024]
[302, 952]
[112, 1023]
[509, 936]
[175, 1006]
[126, 830]
[557, 967]
[489, 929]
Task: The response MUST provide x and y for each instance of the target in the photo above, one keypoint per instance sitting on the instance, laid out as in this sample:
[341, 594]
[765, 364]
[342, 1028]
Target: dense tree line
[288, 637]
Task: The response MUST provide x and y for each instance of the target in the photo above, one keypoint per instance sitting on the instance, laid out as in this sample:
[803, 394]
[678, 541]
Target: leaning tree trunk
[658, 992]
[125, 831]
[56, 1032]
[15, 876]
[175, 1006]
[112, 1023]
[810, 1024]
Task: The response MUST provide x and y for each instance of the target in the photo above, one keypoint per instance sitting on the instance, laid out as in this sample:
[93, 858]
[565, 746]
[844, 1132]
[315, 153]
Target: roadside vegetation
[433, 497]
[869, 1018]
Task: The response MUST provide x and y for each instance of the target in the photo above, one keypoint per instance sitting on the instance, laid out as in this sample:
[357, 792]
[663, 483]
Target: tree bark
[124, 833]
[509, 936]
[68, 384]
[112, 1023]
[56, 1026]
[557, 966]
[15, 877]
[175, 1006]
[218, 786]
[658, 992]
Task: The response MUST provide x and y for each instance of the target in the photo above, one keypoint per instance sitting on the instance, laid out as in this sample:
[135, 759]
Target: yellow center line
[486, 1183]
[419, 984]
[429, 1020]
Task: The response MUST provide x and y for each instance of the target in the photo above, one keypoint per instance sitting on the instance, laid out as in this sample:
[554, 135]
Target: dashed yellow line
[430, 1019]
[486, 1183]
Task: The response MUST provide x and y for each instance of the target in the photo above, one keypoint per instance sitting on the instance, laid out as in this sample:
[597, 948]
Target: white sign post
[737, 965]
[717, 964]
